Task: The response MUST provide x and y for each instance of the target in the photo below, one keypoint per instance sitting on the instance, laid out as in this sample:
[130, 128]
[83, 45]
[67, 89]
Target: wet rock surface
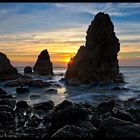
[68, 119]
[97, 60]
[7, 118]
[71, 119]
[43, 66]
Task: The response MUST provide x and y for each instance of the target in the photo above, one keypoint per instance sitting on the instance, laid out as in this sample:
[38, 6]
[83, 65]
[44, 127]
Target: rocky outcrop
[43, 65]
[97, 60]
[7, 71]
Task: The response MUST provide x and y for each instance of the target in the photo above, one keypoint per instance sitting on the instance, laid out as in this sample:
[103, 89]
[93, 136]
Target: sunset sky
[28, 28]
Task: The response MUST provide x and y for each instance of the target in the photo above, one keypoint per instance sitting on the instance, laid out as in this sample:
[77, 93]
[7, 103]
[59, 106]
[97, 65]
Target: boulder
[38, 84]
[43, 66]
[106, 106]
[68, 116]
[7, 71]
[65, 104]
[22, 90]
[3, 93]
[136, 114]
[72, 131]
[122, 114]
[35, 97]
[51, 91]
[118, 128]
[9, 102]
[7, 108]
[6, 116]
[22, 105]
[33, 122]
[45, 106]
[28, 70]
[97, 60]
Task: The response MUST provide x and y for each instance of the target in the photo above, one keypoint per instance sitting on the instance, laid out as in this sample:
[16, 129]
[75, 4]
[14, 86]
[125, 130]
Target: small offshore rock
[22, 90]
[28, 70]
[35, 97]
[51, 91]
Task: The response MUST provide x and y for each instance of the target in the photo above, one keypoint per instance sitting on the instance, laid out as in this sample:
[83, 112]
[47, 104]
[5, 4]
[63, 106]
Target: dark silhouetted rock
[97, 60]
[27, 82]
[3, 93]
[7, 108]
[7, 71]
[106, 106]
[68, 116]
[118, 128]
[45, 106]
[136, 114]
[6, 116]
[28, 70]
[22, 105]
[38, 84]
[9, 102]
[51, 91]
[35, 97]
[43, 65]
[22, 90]
[33, 122]
[65, 104]
[122, 114]
[72, 131]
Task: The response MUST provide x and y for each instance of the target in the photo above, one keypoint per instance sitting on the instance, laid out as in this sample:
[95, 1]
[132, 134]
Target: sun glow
[67, 59]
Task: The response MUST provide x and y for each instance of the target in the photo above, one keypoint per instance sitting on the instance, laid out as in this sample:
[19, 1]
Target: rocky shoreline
[69, 119]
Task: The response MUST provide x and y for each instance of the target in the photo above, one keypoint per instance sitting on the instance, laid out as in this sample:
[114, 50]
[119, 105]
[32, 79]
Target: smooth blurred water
[82, 93]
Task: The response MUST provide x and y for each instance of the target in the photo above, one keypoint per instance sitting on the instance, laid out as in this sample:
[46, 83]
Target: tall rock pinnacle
[43, 65]
[97, 60]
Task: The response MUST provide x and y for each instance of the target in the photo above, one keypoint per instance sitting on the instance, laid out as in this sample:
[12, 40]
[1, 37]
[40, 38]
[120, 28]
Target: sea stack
[43, 66]
[7, 71]
[97, 60]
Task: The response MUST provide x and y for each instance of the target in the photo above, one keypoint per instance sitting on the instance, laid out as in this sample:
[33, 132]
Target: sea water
[83, 93]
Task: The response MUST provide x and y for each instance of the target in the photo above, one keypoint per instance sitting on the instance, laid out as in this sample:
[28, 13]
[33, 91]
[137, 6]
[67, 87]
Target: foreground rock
[71, 119]
[43, 65]
[3, 94]
[7, 118]
[72, 131]
[22, 90]
[118, 128]
[97, 60]
[7, 71]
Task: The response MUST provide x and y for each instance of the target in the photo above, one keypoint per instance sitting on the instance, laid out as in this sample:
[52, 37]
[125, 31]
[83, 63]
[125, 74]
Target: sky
[28, 28]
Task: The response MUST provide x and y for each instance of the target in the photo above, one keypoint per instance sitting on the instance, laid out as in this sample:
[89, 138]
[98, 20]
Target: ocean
[83, 93]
